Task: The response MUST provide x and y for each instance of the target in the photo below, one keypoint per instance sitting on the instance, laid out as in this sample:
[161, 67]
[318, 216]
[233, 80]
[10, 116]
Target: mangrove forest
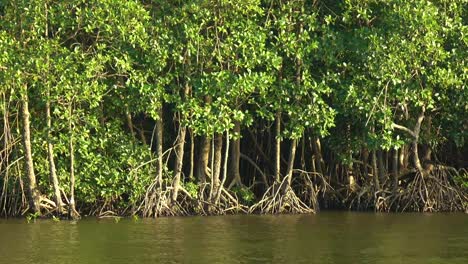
[152, 108]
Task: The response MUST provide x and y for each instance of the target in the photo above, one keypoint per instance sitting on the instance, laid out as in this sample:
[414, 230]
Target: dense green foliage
[289, 106]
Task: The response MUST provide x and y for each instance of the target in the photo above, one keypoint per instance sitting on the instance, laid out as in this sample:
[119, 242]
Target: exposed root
[432, 193]
[228, 202]
[311, 187]
[157, 202]
[366, 197]
[280, 198]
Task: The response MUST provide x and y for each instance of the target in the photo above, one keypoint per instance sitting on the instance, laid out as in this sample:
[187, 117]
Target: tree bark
[141, 131]
[376, 170]
[382, 169]
[365, 158]
[179, 160]
[203, 170]
[34, 195]
[225, 169]
[318, 155]
[277, 169]
[192, 154]
[415, 135]
[234, 172]
[130, 122]
[73, 214]
[403, 159]
[218, 146]
[50, 148]
[159, 147]
[292, 156]
[179, 151]
[50, 154]
[395, 170]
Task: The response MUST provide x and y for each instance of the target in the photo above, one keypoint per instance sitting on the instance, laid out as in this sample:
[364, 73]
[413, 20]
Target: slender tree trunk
[225, 169]
[203, 170]
[50, 148]
[218, 146]
[180, 151]
[277, 169]
[179, 160]
[159, 146]
[415, 134]
[234, 173]
[351, 178]
[381, 165]
[396, 172]
[365, 158]
[318, 155]
[416, 160]
[34, 195]
[50, 154]
[192, 154]
[427, 165]
[403, 159]
[73, 214]
[417, 130]
[141, 131]
[303, 162]
[292, 156]
[130, 122]
[376, 170]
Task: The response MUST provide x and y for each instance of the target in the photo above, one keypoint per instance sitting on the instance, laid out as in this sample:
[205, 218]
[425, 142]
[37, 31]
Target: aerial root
[311, 186]
[432, 193]
[280, 198]
[158, 202]
[362, 198]
[228, 202]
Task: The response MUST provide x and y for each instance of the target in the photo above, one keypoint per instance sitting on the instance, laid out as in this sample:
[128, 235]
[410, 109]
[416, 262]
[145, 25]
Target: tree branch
[402, 128]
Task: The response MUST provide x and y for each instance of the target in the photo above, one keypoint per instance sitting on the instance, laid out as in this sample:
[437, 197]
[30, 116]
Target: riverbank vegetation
[159, 108]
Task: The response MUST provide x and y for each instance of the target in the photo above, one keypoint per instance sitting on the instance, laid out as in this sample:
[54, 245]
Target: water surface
[328, 237]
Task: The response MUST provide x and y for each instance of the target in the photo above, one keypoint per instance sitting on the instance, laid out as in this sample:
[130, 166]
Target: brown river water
[327, 237]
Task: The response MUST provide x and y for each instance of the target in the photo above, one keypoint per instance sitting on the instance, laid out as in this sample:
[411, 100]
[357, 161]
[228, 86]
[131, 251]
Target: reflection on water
[323, 238]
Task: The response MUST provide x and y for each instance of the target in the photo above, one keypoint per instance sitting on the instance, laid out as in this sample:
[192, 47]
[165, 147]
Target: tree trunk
[277, 169]
[427, 164]
[218, 146]
[234, 172]
[395, 170]
[159, 147]
[382, 169]
[415, 134]
[403, 159]
[130, 122]
[225, 169]
[141, 131]
[417, 130]
[416, 160]
[292, 156]
[34, 195]
[351, 179]
[180, 151]
[376, 170]
[50, 148]
[203, 170]
[50, 154]
[365, 158]
[192, 154]
[73, 214]
[179, 160]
